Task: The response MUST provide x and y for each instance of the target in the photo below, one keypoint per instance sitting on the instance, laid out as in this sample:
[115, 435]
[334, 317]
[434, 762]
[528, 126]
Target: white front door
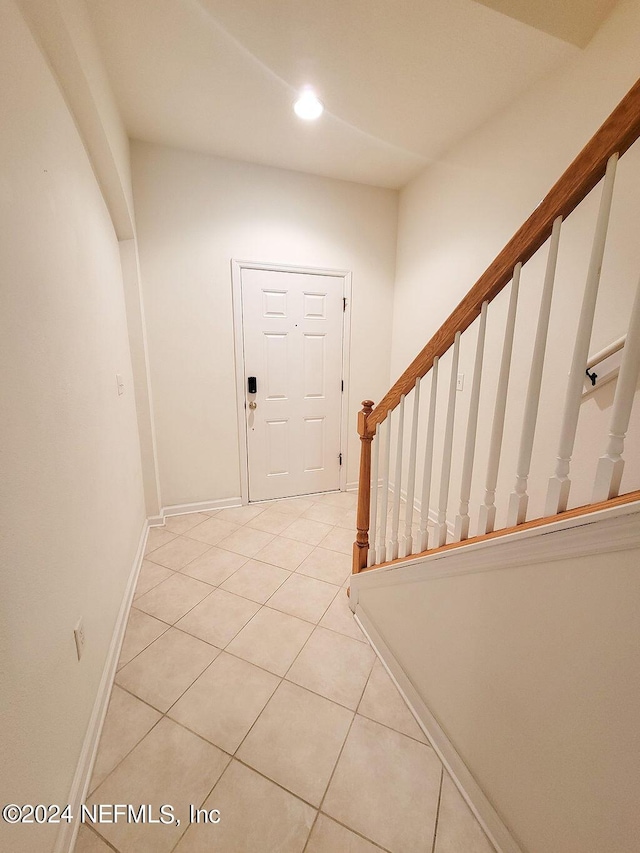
[292, 329]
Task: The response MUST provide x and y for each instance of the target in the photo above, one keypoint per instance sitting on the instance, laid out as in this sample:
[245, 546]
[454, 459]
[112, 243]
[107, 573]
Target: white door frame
[236, 279]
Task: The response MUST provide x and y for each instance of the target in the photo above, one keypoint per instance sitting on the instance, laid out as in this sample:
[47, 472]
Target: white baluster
[373, 523]
[462, 519]
[559, 483]
[386, 455]
[445, 473]
[411, 481]
[428, 459]
[397, 491]
[519, 498]
[487, 519]
[611, 465]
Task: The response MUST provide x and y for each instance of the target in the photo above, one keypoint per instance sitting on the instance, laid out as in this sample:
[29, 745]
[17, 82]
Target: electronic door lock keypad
[252, 385]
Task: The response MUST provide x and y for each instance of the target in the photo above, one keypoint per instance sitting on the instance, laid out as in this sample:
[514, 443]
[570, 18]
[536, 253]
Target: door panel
[277, 443]
[276, 365]
[314, 444]
[292, 337]
[313, 359]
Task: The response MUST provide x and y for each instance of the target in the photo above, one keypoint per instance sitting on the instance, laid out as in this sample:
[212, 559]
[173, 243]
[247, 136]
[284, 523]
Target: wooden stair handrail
[616, 135]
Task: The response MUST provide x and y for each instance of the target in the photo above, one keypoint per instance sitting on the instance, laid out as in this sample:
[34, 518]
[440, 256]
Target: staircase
[508, 617]
[389, 451]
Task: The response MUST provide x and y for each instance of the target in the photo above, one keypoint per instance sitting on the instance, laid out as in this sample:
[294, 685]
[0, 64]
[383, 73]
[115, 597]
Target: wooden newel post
[361, 545]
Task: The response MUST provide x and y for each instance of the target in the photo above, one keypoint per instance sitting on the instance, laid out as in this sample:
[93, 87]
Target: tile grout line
[144, 559]
[435, 823]
[337, 761]
[275, 675]
[104, 840]
[281, 678]
[225, 648]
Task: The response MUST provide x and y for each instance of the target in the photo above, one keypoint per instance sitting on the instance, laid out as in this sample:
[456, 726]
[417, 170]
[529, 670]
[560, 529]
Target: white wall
[64, 32]
[529, 663]
[194, 214]
[70, 478]
[460, 212]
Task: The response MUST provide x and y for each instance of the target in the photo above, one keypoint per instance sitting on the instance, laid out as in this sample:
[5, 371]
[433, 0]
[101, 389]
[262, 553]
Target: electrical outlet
[460, 382]
[78, 636]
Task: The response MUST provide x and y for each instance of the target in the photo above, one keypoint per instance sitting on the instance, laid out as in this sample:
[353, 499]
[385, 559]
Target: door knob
[253, 405]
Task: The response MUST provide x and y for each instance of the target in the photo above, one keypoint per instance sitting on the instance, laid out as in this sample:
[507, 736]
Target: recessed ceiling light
[308, 106]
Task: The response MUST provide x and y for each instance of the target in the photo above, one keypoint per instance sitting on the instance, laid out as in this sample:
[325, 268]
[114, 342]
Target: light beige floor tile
[347, 500]
[219, 617]
[271, 521]
[326, 513]
[271, 640]
[328, 836]
[256, 581]
[89, 842]
[326, 565]
[162, 672]
[296, 741]
[170, 765]
[241, 514]
[292, 506]
[304, 597]
[305, 530]
[157, 537]
[383, 703]
[128, 720]
[178, 553]
[458, 830]
[348, 520]
[174, 597]
[334, 666]
[181, 523]
[339, 539]
[246, 541]
[340, 618]
[397, 781]
[285, 553]
[256, 817]
[215, 566]
[225, 701]
[213, 530]
[142, 630]
[151, 574]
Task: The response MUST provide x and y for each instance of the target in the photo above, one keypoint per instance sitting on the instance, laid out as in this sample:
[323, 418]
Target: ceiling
[575, 21]
[401, 80]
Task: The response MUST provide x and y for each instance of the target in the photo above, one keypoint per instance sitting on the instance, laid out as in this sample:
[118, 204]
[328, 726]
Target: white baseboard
[200, 506]
[487, 816]
[68, 832]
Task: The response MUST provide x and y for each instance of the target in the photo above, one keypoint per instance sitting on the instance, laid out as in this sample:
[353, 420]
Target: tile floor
[246, 686]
